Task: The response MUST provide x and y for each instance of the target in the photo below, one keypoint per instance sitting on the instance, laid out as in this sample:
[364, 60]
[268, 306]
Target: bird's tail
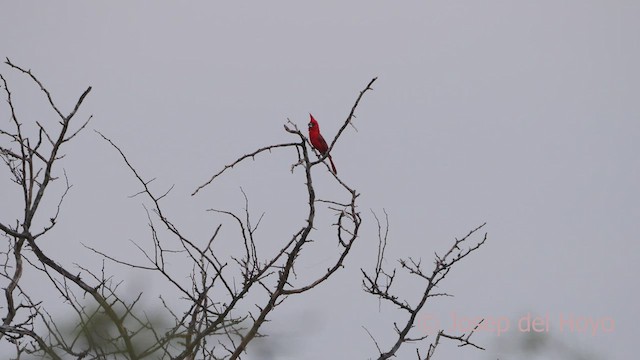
[332, 165]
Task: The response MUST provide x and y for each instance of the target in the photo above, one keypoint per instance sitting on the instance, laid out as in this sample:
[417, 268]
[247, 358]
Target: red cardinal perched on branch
[318, 141]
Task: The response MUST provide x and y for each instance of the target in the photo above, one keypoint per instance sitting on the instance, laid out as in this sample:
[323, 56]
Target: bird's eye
[310, 125]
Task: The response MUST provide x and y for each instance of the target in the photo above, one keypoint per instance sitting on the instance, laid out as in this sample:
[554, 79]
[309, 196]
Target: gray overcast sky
[524, 114]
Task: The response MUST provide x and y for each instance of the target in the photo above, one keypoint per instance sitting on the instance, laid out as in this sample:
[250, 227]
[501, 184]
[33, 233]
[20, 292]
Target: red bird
[318, 141]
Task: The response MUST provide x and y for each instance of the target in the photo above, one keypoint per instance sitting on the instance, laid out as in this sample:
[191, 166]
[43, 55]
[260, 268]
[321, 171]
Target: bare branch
[240, 159]
[351, 114]
[380, 284]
